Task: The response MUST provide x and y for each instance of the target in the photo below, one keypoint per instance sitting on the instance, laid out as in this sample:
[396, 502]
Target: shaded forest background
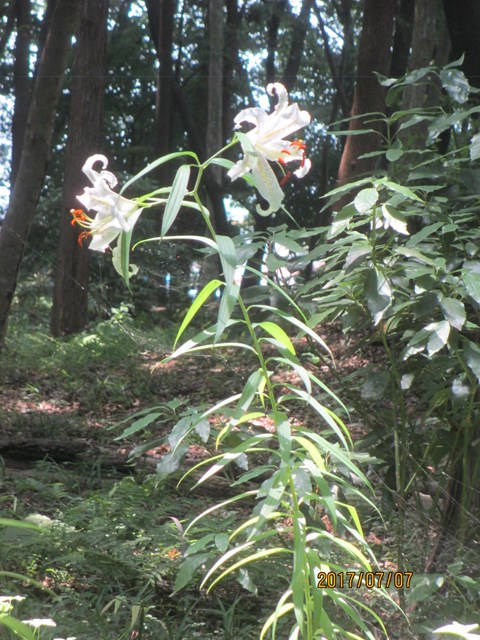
[145, 79]
[396, 294]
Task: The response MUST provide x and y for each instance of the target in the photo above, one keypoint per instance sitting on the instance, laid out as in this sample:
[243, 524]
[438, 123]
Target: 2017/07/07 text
[368, 579]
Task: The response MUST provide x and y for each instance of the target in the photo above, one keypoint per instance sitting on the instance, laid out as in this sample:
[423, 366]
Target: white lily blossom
[114, 212]
[266, 143]
[40, 622]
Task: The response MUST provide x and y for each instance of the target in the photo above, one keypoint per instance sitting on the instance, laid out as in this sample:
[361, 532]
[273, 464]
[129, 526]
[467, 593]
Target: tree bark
[31, 171]
[230, 58]
[161, 14]
[21, 83]
[214, 136]
[299, 33]
[369, 97]
[402, 38]
[277, 11]
[70, 295]
[423, 44]
[463, 20]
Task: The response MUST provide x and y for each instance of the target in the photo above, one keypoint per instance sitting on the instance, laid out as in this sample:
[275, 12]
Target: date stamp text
[368, 579]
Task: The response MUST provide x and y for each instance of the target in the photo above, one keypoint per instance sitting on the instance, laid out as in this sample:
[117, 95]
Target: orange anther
[77, 215]
[83, 236]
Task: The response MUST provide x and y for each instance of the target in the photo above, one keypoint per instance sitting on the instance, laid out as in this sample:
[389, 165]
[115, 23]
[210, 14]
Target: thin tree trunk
[21, 83]
[369, 97]
[423, 43]
[36, 147]
[299, 33]
[70, 296]
[277, 11]
[230, 56]
[214, 135]
[463, 19]
[402, 38]
[197, 145]
[341, 97]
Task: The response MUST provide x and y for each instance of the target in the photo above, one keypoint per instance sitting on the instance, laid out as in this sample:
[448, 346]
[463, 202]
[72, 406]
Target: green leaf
[423, 587]
[284, 435]
[20, 524]
[472, 356]
[366, 200]
[156, 163]
[279, 334]
[140, 424]
[250, 389]
[204, 294]
[228, 258]
[456, 84]
[341, 221]
[221, 541]
[19, 628]
[395, 152]
[121, 257]
[188, 569]
[460, 630]
[398, 188]
[357, 255]
[378, 294]
[471, 280]
[394, 219]
[227, 305]
[174, 202]
[375, 385]
[424, 233]
[454, 312]
[203, 430]
[439, 332]
[475, 147]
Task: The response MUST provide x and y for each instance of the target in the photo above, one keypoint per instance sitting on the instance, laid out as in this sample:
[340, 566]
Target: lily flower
[114, 212]
[265, 143]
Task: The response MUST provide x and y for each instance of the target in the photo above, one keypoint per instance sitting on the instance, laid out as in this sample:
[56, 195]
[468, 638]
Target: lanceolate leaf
[378, 293]
[204, 294]
[228, 258]
[156, 163]
[174, 202]
[279, 334]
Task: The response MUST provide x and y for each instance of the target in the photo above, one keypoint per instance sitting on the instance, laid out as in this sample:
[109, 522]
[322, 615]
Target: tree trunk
[402, 39]
[423, 44]
[277, 11]
[299, 33]
[230, 57]
[21, 82]
[214, 135]
[369, 97]
[424, 38]
[70, 296]
[463, 19]
[36, 147]
[161, 14]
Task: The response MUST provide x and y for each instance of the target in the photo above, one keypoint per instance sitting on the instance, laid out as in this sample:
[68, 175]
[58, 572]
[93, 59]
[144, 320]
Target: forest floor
[63, 467]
